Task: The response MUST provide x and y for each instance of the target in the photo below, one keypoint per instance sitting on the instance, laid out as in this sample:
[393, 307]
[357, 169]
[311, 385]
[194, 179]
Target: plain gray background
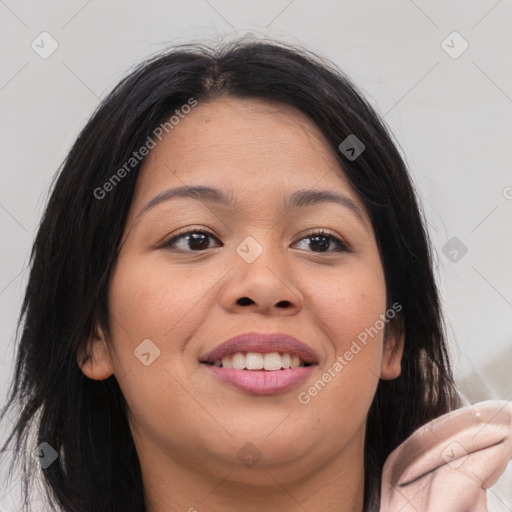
[448, 106]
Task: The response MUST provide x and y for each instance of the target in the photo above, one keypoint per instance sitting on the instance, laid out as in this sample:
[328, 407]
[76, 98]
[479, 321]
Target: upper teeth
[257, 361]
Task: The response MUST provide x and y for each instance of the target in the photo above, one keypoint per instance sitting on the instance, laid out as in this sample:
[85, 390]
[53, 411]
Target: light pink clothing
[447, 465]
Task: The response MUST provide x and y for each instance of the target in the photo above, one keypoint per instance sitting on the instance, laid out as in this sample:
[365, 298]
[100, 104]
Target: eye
[197, 239]
[194, 239]
[320, 240]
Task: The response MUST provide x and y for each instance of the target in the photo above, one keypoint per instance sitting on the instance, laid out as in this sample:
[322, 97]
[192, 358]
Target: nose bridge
[262, 248]
[262, 279]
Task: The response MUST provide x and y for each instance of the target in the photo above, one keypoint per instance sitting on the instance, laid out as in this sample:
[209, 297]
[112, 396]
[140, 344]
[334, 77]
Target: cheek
[350, 309]
[154, 301]
[350, 305]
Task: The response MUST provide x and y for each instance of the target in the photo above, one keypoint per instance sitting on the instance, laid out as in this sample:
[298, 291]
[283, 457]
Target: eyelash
[342, 246]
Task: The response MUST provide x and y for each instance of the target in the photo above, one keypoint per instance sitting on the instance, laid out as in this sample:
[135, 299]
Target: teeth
[238, 361]
[295, 362]
[272, 361]
[256, 361]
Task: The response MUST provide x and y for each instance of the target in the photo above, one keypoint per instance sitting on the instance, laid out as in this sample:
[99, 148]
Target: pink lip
[263, 343]
[262, 382]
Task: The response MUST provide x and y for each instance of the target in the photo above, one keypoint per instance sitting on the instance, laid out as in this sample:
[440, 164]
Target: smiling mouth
[255, 361]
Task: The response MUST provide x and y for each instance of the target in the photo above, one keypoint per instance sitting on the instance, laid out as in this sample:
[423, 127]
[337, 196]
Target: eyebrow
[299, 199]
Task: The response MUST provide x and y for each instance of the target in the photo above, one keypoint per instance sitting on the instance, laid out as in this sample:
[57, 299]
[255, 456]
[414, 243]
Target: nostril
[244, 301]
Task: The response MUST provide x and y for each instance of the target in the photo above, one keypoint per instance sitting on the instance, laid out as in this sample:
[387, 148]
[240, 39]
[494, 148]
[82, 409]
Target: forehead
[251, 148]
[243, 134]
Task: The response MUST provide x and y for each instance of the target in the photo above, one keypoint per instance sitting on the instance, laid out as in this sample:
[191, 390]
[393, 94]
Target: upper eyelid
[313, 231]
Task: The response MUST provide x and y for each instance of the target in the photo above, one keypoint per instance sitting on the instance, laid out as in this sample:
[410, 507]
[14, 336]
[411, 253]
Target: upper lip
[263, 343]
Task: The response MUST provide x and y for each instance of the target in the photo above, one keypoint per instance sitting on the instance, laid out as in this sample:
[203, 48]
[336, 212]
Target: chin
[263, 452]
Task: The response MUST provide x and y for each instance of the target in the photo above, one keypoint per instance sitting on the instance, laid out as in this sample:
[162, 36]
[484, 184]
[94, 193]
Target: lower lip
[262, 382]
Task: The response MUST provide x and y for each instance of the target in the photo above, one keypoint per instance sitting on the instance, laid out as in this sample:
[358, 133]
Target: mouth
[261, 364]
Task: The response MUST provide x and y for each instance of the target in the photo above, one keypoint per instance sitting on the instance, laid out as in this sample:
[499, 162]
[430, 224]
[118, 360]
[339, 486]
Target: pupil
[200, 240]
[315, 240]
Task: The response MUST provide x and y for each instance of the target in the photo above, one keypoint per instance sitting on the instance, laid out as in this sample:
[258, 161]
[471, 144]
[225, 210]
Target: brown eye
[321, 241]
[189, 241]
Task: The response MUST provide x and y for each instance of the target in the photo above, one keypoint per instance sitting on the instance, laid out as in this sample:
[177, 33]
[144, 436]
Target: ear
[393, 349]
[94, 359]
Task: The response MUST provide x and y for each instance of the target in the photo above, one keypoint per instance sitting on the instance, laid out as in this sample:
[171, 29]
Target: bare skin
[188, 426]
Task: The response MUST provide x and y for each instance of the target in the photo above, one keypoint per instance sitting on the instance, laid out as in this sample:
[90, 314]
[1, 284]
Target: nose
[265, 286]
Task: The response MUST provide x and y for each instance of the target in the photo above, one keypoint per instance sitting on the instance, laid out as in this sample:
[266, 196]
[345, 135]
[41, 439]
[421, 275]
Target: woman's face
[261, 267]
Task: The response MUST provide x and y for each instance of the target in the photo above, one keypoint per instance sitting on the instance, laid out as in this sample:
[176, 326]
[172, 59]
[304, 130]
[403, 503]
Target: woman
[231, 304]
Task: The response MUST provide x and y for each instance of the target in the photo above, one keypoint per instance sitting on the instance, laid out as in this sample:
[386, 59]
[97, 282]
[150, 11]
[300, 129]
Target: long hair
[77, 242]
